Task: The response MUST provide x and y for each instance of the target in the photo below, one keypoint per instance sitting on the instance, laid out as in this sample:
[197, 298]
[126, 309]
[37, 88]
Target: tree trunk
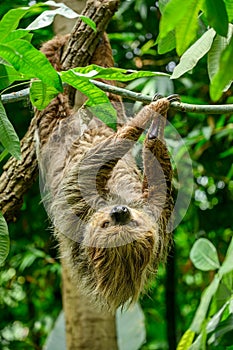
[86, 327]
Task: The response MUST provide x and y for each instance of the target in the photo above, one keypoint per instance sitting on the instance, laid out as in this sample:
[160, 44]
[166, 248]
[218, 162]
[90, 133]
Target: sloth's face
[121, 244]
[119, 225]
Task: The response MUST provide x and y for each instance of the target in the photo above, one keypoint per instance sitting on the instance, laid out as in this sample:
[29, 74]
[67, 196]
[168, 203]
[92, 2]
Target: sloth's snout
[120, 214]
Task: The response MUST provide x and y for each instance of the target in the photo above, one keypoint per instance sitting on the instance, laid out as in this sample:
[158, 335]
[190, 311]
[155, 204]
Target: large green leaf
[97, 99]
[8, 75]
[47, 17]
[8, 136]
[96, 72]
[227, 265]
[214, 55]
[186, 30]
[10, 21]
[190, 58]
[19, 34]
[229, 8]
[30, 62]
[214, 321]
[41, 94]
[224, 330]
[167, 43]
[224, 76]
[184, 22]
[4, 239]
[204, 255]
[217, 16]
[169, 20]
[203, 307]
[162, 4]
[4, 79]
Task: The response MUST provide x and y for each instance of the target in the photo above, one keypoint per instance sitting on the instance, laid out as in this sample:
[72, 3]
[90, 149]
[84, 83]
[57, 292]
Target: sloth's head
[122, 246]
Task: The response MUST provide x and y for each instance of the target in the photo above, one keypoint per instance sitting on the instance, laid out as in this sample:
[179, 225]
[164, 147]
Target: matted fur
[87, 170]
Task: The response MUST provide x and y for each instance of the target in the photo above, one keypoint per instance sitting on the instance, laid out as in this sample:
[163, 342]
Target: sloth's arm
[157, 184]
[98, 163]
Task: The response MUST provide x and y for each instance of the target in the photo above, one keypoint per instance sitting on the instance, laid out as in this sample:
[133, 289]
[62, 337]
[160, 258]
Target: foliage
[216, 302]
[144, 40]
[4, 239]
[181, 31]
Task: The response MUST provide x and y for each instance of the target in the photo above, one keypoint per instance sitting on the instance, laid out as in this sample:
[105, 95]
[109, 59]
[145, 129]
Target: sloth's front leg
[157, 166]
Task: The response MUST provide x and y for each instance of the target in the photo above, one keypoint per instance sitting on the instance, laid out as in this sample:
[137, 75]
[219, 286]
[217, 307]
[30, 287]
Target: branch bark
[135, 96]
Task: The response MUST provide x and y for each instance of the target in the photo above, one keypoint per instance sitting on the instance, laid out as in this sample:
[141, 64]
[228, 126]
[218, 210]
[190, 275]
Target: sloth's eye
[105, 224]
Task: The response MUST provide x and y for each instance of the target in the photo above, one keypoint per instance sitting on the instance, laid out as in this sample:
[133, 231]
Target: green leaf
[214, 54]
[19, 34]
[204, 255]
[217, 16]
[190, 58]
[227, 265]
[204, 305]
[8, 75]
[10, 21]
[186, 30]
[169, 21]
[229, 8]
[162, 4]
[4, 79]
[4, 239]
[47, 17]
[226, 153]
[31, 62]
[3, 155]
[97, 99]
[8, 136]
[167, 43]
[214, 321]
[41, 94]
[96, 72]
[224, 76]
[184, 22]
[186, 340]
[221, 331]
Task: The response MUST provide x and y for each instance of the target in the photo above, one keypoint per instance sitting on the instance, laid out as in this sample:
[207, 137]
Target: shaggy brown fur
[110, 219]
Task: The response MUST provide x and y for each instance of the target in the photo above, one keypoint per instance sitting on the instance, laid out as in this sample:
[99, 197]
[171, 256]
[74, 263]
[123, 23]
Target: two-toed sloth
[111, 219]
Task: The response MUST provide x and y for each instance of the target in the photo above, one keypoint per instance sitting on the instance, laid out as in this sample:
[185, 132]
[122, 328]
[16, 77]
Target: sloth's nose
[120, 214]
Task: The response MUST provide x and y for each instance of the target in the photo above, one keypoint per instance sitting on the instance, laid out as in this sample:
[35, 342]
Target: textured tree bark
[86, 328]
[18, 176]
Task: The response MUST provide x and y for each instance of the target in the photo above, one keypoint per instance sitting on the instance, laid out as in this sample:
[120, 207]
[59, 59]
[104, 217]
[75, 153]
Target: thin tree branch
[135, 96]
[15, 96]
